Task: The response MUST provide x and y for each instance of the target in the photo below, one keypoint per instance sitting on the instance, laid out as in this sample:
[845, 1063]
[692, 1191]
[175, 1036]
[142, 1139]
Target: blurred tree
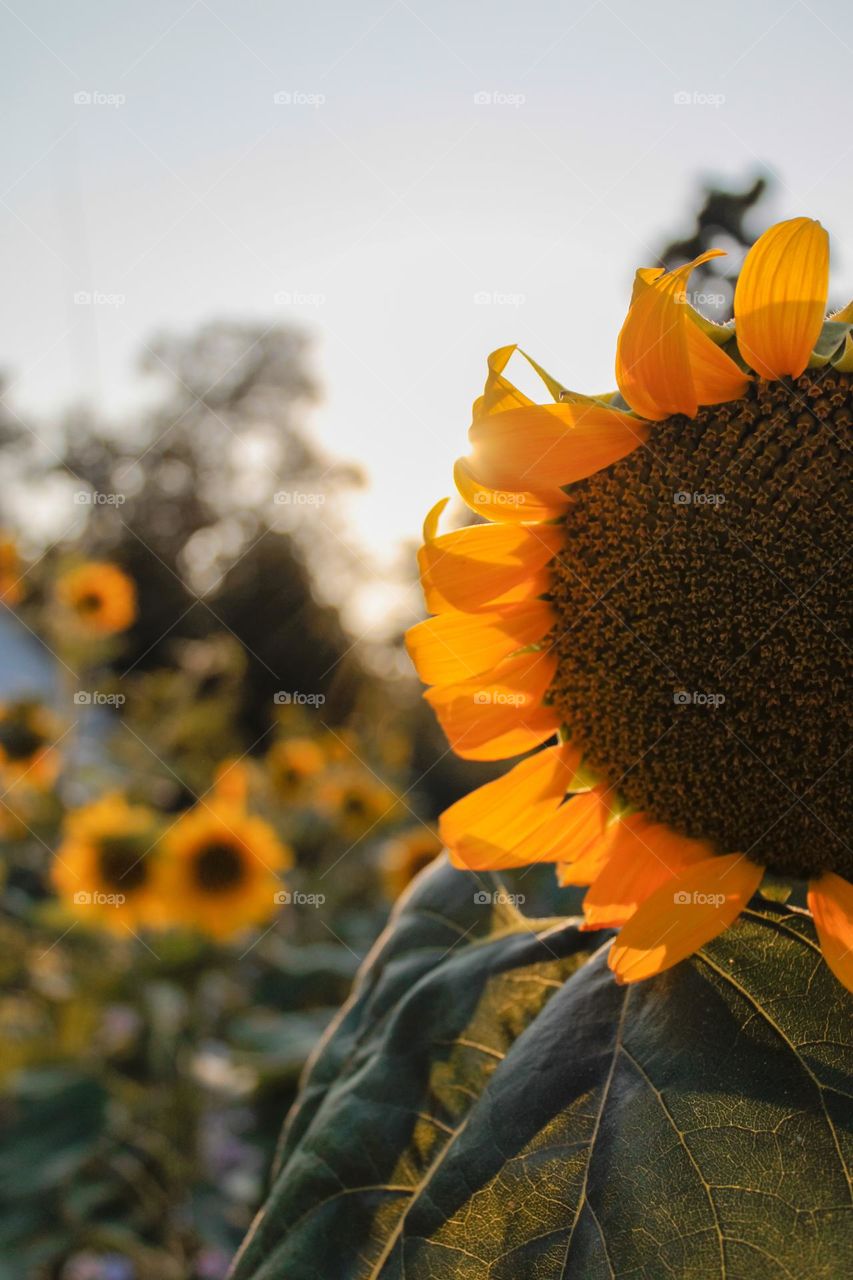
[723, 220]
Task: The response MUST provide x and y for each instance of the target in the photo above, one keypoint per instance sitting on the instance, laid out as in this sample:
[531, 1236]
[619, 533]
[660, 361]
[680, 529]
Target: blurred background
[255, 257]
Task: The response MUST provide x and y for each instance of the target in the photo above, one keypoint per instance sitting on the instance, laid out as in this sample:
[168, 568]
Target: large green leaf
[488, 1107]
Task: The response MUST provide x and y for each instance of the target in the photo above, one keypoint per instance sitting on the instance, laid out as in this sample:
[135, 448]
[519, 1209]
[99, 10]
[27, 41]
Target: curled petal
[665, 363]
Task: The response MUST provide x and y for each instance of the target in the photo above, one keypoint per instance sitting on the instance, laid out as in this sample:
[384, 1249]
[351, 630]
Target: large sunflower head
[28, 737]
[220, 867]
[99, 596]
[657, 607]
[104, 866]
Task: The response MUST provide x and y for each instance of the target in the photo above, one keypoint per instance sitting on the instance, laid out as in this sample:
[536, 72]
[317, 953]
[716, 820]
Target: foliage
[491, 1104]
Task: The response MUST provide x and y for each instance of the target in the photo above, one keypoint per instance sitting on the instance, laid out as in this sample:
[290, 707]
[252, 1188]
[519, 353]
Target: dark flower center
[89, 603]
[218, 867]
[18, 741]
[704, 601]
[122, 863]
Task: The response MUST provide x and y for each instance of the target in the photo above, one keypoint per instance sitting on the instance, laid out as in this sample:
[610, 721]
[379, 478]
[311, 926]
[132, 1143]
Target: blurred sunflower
[28, 736]
[356, 802]
[100, 597]
[293, 763]
[103, 868]
[219, 871]
[660, 589]
[11, 584]
[405, 856]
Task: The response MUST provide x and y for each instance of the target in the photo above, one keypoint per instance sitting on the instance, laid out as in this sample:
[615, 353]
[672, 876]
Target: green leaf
[488, 1107]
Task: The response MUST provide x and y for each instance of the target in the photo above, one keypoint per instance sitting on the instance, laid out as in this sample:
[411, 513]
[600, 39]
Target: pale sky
[427, 154]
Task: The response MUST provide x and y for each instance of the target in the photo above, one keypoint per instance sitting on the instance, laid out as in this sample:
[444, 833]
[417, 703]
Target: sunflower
[219, 871]
[100, 597]
[405, 855]
[11, 586]
[357, 802]
[103, 868]
[28, 736]
[655, 609]
[294, 763]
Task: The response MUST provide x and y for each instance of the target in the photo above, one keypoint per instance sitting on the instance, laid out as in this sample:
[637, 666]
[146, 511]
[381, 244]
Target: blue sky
[384, 196]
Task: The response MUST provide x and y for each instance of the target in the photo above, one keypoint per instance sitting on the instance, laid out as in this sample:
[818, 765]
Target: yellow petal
[548, 445]
[479, 564]
[587, 836]
[454, 646]
[499, 393]
[665, 363]
[780, 299]
[507, 506]
[643, 855]
[498, 715]
[831, 904]
[482, 829]
[683, 914]
[432, 518]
